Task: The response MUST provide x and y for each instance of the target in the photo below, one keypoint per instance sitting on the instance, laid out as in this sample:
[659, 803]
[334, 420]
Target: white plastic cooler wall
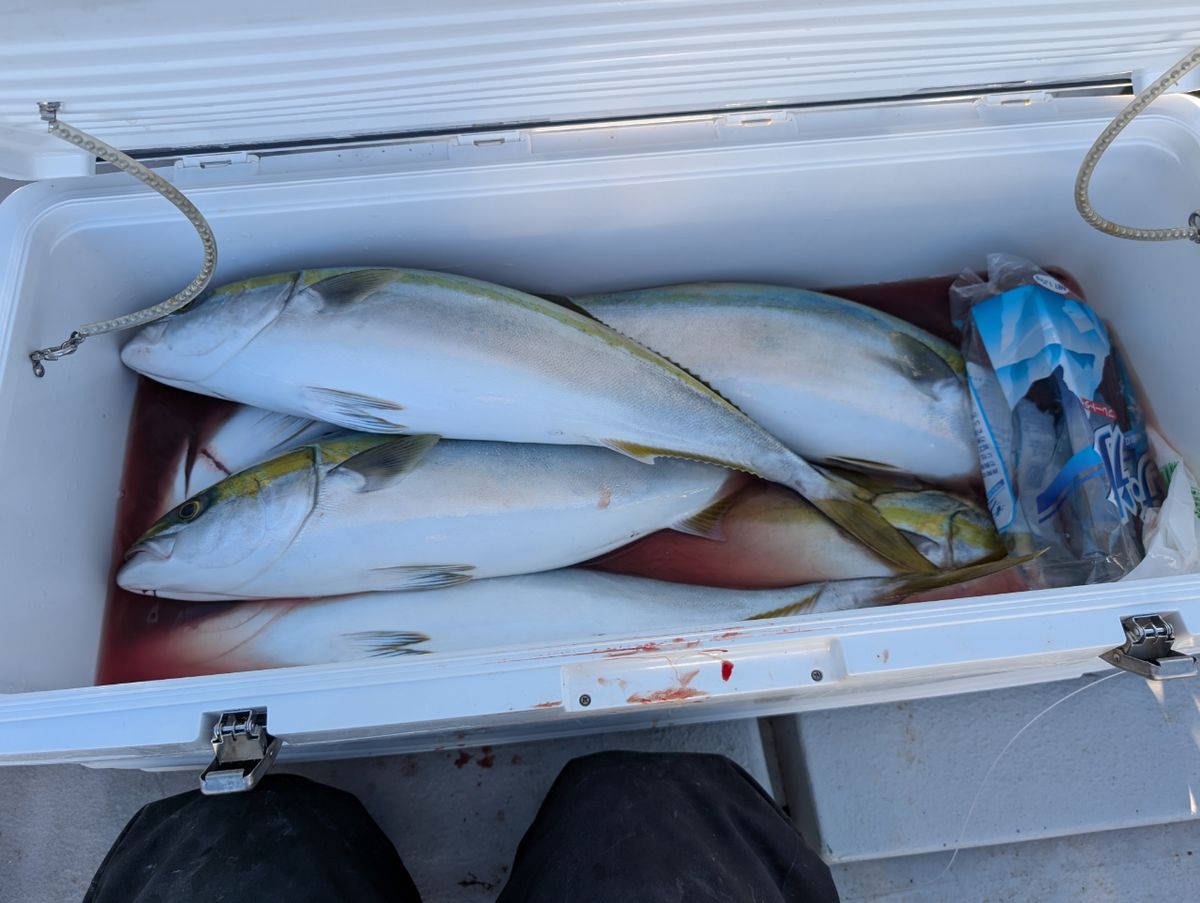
[819, 199]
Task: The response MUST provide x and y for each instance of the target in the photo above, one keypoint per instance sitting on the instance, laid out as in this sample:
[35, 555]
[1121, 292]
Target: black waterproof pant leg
[290, 839]
[657, 827]
[616, 826]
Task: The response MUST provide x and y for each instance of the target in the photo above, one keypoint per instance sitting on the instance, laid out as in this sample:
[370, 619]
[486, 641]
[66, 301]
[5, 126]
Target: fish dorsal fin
[349, 288]
[707, 523]
[570, 304]
[385, 464]
[919, 362]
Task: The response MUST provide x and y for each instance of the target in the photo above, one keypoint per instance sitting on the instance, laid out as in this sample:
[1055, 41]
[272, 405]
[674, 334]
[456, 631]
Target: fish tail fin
[860, 519]
[848, 506]
[899, 588]
[841, 595]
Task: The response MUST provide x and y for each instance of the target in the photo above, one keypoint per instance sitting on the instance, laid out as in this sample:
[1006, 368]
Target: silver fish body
[394, 351]
[835, 381]
[770, 537]
[368, 513]
[546, 609]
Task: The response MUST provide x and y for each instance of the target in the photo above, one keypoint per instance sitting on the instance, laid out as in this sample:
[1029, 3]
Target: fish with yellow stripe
[836, 381]
[767, 536]
[365, 513]
[413, 351]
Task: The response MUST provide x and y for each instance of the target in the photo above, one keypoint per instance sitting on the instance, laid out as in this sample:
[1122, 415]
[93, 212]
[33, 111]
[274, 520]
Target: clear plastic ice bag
[1063, 448]
[1171, 533]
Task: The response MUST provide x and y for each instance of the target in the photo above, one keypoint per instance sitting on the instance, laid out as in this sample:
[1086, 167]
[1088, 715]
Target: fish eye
[188, 510]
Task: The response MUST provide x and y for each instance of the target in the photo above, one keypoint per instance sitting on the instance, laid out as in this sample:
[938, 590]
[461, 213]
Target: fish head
[951, 531]
[219, 540]
[192, 344]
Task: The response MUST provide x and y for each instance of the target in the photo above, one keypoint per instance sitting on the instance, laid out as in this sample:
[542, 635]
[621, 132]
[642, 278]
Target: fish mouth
[158, 548]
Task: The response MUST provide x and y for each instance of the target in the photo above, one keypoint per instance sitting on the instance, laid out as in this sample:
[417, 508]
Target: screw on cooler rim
[49, 113]
[817, 675]
[585, 700]
[1092, 159]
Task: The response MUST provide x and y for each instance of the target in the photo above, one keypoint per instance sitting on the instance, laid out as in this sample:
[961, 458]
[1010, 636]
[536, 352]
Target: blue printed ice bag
[1062, 444]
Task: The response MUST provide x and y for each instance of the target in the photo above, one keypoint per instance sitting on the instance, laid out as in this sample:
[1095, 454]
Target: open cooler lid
[144, 75]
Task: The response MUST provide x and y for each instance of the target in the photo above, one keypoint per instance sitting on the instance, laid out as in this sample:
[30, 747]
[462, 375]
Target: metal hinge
[1147, 650]
[243, 751]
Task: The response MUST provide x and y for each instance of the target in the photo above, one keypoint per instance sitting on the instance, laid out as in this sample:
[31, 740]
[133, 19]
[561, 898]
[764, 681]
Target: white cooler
[561, 148]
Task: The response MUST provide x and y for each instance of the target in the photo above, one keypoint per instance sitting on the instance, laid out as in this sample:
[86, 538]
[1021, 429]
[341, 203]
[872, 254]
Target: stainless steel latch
[1147, 650]
[243, 751]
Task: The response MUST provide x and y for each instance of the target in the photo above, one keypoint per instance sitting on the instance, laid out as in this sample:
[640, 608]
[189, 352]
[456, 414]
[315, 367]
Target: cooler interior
[816, 199]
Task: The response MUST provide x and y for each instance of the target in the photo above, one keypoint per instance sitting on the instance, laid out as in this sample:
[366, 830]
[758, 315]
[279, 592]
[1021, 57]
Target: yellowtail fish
[836, 381]
[367, 513]
[410, 351]
[552, 608]
[771, 537]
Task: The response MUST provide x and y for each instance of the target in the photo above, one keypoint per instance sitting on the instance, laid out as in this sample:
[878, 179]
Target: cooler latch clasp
[243, 751]
[1148, 651]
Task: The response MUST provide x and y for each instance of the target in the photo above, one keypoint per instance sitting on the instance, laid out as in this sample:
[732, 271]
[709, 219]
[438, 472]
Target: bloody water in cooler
[167, 422]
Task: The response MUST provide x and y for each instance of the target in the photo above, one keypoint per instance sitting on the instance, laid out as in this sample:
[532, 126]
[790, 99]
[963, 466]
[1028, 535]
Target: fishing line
[153, 180]
[983, 783]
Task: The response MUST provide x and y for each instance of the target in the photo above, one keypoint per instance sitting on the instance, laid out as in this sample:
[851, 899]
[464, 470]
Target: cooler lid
[145, 75]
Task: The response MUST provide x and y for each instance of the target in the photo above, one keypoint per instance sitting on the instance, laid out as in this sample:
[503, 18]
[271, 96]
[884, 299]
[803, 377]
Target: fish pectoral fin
[920, 363]
[389, 462]
[707, 523]
[350, 409]
[792, 608]
[347, 288]
[411, 577]
[387, 643]
[902, 587]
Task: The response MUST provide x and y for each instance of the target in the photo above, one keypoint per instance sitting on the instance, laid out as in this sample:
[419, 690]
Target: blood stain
[677, 693]
[463, 758]
[726, 669]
